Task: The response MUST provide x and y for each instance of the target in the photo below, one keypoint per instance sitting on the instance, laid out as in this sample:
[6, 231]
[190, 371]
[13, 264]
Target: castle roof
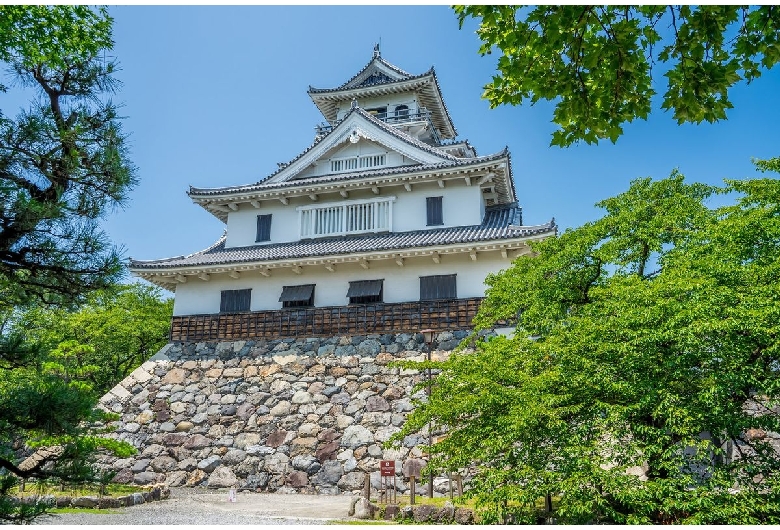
[500, 225]
[341, 132]
[379, 78]
[433, 163]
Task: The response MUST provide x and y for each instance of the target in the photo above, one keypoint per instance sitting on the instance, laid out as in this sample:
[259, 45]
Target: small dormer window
[402, 111]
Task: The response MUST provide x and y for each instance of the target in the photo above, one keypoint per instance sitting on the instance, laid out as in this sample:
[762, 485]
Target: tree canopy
[63, 161]
[642, 384]
[63, 166]
[597, 62]
[116, 330]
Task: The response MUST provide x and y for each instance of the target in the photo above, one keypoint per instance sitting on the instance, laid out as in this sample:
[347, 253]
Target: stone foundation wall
[307, 415]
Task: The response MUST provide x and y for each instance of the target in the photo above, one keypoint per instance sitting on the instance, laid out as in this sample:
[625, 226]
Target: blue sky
[216, 96]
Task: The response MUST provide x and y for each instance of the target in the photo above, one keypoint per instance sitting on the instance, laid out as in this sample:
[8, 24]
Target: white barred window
[349, 217]
[357, 162]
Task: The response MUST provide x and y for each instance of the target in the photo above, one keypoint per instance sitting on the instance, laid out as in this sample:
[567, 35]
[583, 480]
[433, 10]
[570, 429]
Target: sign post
[411, 469]
[387, 470]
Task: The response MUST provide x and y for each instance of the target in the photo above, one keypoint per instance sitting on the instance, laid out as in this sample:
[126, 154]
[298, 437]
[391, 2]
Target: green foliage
[773, 164]
[12, 510]
[56, 363]
[63, 162]
[49, 402]
[596, 62]
[63, 166]
[107, 337]
[646, 345]
[53, 35]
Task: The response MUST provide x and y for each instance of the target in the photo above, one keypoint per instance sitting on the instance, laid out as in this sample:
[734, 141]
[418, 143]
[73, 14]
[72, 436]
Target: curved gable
[356, 128]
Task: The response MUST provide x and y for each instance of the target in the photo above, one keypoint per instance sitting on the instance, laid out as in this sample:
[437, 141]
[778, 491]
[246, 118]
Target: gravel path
[195, 507]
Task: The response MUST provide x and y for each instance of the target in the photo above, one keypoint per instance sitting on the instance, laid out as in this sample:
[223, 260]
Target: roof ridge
[350, 175]
[375, 59]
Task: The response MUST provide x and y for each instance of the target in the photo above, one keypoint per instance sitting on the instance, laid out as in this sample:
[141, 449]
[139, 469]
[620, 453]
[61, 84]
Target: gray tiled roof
[263, 184]
[345, 86]
[381, 172]
[499, 223]
[405, 75]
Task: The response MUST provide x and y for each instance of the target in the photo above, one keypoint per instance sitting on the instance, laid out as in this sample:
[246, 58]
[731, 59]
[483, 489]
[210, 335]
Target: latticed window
[297, 295]
[441, 287]
[263, 228]
[365, 291]
[342, 218]
[236, 300]
[434, 211]
[357, 162]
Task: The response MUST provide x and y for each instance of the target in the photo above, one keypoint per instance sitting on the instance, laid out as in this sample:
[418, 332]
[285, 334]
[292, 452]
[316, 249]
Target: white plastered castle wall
[462, 205]
[401, 284]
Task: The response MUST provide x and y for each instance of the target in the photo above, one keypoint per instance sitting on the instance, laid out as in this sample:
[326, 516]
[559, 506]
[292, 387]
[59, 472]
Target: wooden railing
[439, 315]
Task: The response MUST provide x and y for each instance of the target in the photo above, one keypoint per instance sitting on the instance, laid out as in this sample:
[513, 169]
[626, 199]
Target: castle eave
[169, 277]
[495, 169]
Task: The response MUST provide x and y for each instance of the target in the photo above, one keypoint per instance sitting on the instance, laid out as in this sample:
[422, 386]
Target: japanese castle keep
[277, 375]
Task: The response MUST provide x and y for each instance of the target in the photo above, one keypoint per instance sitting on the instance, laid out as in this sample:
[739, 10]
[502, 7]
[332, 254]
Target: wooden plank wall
[406, 317]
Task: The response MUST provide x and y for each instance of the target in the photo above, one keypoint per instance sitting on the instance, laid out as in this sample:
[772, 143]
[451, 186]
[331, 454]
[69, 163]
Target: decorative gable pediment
[358, 136]
[377, 72]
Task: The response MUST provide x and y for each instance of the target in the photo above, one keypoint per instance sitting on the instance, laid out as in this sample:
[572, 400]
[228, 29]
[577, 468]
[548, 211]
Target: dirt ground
[198, 507]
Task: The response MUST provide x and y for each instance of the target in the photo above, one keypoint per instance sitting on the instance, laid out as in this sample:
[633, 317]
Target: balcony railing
[439, 315]
[401, 117]
[344, 218]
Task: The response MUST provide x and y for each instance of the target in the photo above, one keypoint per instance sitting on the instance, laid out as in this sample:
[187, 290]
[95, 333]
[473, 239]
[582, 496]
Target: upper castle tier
[385, 206]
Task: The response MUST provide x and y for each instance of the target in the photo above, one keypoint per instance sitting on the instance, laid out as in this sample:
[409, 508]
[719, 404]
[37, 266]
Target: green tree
[119, 328]
[63, 165]
[63, 162]
[596, 62]
[48, 409]
[642, 384]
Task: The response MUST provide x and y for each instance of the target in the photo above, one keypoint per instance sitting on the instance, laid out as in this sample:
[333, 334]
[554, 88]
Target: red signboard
[387, 468]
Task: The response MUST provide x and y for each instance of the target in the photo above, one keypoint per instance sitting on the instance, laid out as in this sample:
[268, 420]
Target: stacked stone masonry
[307, 415]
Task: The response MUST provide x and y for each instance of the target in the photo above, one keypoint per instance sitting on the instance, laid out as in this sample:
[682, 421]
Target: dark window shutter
[433, 205]
[297, 295]
[233, 301]
[263, 228]
[441, 287]
[365, 291]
